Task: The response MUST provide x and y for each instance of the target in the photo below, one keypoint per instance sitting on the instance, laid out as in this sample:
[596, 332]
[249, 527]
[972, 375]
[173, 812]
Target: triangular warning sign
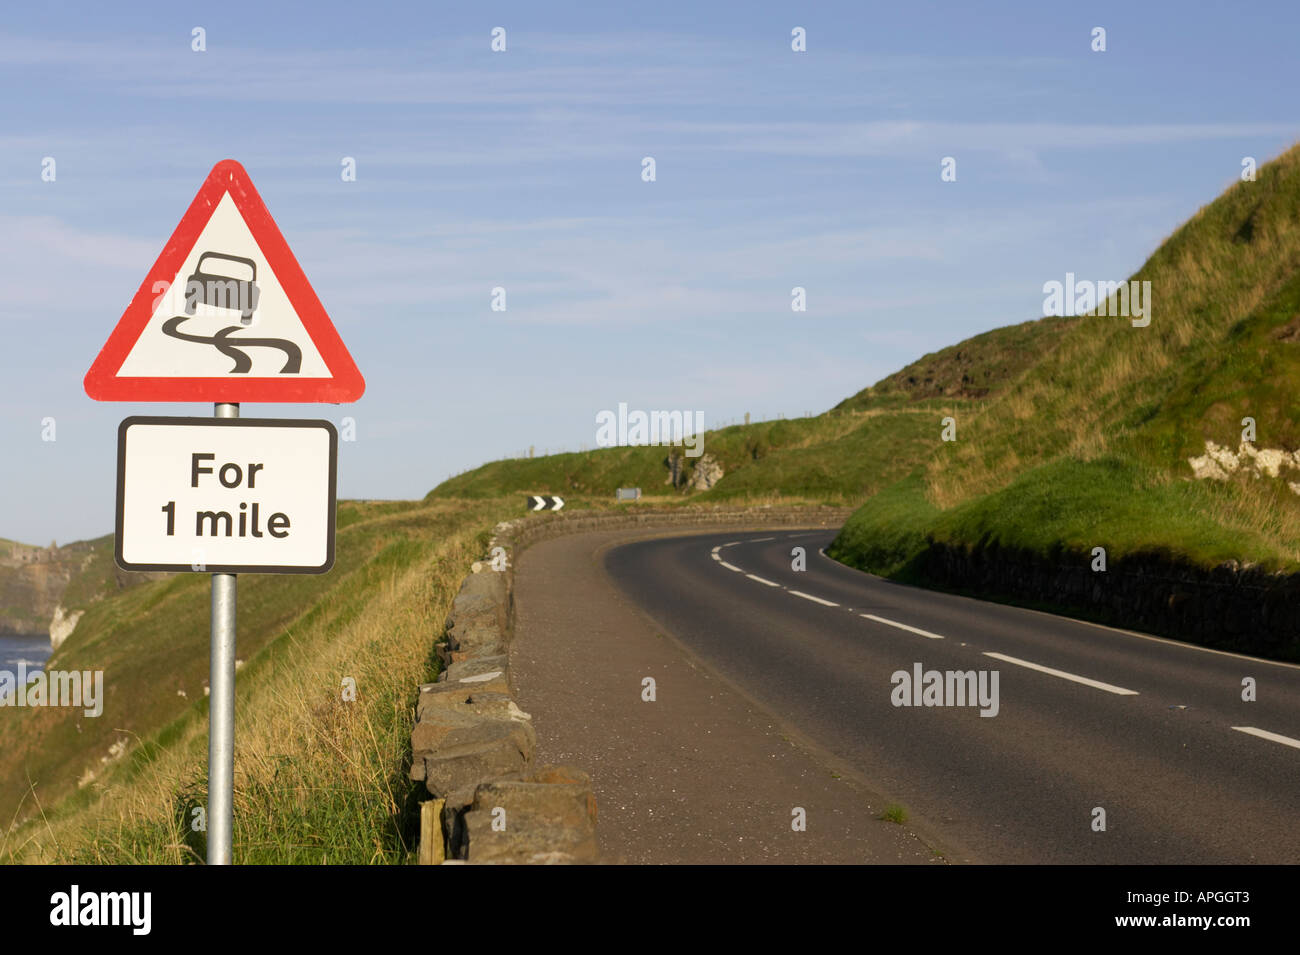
[225, 314]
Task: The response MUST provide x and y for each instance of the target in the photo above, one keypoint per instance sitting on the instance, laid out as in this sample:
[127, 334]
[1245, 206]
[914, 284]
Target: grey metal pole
[221, 707]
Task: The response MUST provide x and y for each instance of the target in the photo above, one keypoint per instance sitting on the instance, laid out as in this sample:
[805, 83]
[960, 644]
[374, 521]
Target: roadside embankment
[1228, 607]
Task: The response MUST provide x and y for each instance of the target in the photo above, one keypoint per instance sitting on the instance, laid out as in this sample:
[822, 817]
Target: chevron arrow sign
[545, 502]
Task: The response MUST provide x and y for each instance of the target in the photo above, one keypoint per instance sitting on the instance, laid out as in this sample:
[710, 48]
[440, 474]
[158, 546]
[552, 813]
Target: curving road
[1146, 729]
[1152, 731]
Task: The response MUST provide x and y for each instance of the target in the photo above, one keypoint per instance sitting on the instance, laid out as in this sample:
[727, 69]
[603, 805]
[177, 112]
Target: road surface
[1088, 718]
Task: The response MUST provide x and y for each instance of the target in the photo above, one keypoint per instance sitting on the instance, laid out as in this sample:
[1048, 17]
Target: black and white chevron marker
[545, 502]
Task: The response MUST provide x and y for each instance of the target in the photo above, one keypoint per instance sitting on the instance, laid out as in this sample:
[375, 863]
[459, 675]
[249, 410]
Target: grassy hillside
[316, 779]
[857, 449]
[837, 458]
[1071, 432]
[1089, 444]
[977, 368]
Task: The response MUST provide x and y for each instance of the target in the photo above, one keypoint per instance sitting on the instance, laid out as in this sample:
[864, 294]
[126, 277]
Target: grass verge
[317, 779]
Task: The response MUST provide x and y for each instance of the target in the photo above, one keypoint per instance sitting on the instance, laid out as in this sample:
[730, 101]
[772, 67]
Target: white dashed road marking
[1095, 684]
[816, 600]
[902, 626]
[1265, 734]
[1072, 677]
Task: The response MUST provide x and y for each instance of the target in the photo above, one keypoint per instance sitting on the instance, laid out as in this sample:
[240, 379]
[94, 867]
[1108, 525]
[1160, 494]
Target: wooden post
[432, 851]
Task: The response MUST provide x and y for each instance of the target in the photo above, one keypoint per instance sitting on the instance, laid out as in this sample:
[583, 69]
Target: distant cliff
[40, 584]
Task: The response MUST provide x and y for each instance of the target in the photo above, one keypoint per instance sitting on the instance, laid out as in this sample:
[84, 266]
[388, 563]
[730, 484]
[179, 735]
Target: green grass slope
[980, 367]
[841, 457]
[844, 456]
[317, 779]
[1089, 444]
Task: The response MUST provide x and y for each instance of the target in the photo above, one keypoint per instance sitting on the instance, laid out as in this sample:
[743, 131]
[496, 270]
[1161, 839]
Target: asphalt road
[696, 772]
[1088, 717]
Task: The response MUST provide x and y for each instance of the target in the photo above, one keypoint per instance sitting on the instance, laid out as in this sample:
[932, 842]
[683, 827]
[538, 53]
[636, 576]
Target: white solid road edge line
[818, 600]
[1095, 684]
[731, 567]
[762, 581]
[901, 626]
[1265, 734]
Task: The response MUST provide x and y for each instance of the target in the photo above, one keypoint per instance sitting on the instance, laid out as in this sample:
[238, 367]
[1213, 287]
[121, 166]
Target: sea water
[32, 649]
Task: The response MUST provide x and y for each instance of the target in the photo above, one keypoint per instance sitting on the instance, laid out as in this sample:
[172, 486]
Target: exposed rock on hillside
[1219, 462]
[62, 625]
[32, 581]
[704, 474]
[707, 473]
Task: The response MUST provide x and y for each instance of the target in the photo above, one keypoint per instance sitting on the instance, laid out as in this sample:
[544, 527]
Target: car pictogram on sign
[223, 289]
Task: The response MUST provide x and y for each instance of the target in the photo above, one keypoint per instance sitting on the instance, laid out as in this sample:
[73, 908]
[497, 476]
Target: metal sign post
[221, 707]
[225, 496]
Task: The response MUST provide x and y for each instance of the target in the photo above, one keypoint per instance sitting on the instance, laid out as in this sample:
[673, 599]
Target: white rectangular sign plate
[226, 495]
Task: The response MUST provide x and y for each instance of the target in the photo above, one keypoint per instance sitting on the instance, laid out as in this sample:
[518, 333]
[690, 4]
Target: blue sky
[522, 169]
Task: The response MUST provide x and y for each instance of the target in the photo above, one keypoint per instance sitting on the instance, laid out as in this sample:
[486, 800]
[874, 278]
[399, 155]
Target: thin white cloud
[48, 265]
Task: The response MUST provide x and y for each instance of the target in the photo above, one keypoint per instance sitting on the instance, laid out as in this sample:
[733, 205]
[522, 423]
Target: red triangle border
[228, 176]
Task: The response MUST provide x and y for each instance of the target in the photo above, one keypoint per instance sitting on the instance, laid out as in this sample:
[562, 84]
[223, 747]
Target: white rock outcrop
[62, 625]
[708, 472]
[1219, 462]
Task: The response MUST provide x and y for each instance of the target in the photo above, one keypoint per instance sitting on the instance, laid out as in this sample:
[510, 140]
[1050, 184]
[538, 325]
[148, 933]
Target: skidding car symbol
[223, 289]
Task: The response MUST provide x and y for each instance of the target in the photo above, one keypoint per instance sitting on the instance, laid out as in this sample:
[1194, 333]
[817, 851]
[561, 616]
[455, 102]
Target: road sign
[226, 495]
[545, 502]
[225, 314]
